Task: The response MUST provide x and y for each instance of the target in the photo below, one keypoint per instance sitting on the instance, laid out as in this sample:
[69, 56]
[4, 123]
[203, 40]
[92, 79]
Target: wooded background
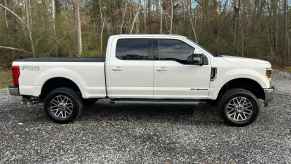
[38, 28]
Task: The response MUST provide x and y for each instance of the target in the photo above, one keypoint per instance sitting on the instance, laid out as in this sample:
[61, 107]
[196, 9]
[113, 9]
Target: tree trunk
[191, 21]
[53, 22]
[149, 5]
[161, 16]
[29, 25]
[134, 20]
[172, 17]
[101, 36]
[102, 18]
[53, 8]
[286, 33]
[123, 17]
[5, 14]
[78, 30]
[236, 23]
[242, 52]
[205, 12]
[15, 49]
[145, 16]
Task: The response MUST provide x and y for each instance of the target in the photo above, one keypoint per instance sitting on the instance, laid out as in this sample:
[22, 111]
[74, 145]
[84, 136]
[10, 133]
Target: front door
[174, 78]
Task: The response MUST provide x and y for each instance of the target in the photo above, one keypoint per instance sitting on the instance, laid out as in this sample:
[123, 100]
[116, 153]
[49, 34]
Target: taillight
[15, 75]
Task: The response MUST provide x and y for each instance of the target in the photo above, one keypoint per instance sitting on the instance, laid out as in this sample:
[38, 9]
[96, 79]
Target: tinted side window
[134, 49]
[171, 49]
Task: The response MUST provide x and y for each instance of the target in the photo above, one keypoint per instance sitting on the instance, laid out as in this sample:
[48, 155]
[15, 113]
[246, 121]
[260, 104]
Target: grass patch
[91, 53]
[5, 78]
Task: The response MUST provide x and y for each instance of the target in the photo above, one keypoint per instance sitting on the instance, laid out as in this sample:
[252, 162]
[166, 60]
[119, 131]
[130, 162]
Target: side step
[153, 101]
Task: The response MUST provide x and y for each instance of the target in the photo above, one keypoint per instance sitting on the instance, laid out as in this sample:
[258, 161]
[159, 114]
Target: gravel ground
[146, 134]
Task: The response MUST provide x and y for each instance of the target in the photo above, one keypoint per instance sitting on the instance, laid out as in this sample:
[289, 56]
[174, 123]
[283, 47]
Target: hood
[242, 61]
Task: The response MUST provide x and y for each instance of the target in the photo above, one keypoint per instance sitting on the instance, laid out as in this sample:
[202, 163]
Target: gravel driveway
[147, 134]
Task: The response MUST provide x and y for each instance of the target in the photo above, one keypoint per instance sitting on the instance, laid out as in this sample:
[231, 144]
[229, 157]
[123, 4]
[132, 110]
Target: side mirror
[196, 59]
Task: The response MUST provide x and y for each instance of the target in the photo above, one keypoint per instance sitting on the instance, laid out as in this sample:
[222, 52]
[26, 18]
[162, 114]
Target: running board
[153, 101]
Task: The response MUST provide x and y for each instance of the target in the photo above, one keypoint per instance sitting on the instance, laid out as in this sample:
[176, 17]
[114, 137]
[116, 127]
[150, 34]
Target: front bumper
[14, 91]
[269, 95]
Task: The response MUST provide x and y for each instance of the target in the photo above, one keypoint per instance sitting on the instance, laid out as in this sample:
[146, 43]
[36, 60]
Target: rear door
[174, 78]
[131, 69]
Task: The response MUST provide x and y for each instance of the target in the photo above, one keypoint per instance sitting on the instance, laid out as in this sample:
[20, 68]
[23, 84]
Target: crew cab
[146, 69]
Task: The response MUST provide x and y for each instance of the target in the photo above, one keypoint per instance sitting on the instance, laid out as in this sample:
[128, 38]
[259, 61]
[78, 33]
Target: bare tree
[53, 13]
[134, 20]
[123, 17]
[191, 21]
[27, 26]
[149, 6]
[236, 22]
[29, 23]
[5, 13]
[286, 33]
[145, 14]
[274, 29]
[53, 23]
[102, 18]
[15, 49]
[77, 20]
[161, 16]
[172, 17]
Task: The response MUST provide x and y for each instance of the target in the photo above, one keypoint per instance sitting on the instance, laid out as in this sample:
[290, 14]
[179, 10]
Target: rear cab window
[134, 49]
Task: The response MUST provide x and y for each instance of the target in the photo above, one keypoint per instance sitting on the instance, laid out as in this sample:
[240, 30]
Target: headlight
[269, 73]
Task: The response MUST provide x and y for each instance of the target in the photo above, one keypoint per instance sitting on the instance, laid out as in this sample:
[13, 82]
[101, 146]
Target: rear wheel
[239, 107]
[63, 105]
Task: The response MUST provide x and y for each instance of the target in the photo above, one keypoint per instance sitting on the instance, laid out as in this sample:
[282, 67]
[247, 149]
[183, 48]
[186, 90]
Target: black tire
[63, 105]
[238, 104]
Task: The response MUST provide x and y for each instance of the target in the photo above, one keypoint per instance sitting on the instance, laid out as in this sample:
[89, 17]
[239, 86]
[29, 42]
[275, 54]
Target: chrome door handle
[162, 69]
[116, 69]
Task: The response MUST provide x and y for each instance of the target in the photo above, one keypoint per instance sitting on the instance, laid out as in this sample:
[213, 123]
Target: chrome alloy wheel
[61, 106]
[239, 109]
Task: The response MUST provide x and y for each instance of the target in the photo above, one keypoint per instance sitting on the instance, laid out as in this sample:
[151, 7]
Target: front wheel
[63, 105]
[239, 107]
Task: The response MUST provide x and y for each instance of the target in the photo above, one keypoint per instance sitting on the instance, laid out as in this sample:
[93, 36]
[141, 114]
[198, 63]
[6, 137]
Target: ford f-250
[146, 68]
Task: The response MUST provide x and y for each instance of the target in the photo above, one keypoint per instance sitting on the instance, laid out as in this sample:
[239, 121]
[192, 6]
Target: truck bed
[63, 59]
[87, 73]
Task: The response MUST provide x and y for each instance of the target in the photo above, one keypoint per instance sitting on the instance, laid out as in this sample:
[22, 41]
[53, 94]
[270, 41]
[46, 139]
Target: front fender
[226, 76]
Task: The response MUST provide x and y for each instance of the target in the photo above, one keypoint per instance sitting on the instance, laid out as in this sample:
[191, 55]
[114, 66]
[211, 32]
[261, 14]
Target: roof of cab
[148, 36]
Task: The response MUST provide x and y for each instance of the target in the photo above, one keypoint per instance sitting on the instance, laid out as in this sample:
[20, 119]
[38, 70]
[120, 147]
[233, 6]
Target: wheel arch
[243, 83]
[58, 82]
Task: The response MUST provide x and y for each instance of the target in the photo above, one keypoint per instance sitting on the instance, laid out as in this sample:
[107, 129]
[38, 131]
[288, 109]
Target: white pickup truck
[146, 69]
